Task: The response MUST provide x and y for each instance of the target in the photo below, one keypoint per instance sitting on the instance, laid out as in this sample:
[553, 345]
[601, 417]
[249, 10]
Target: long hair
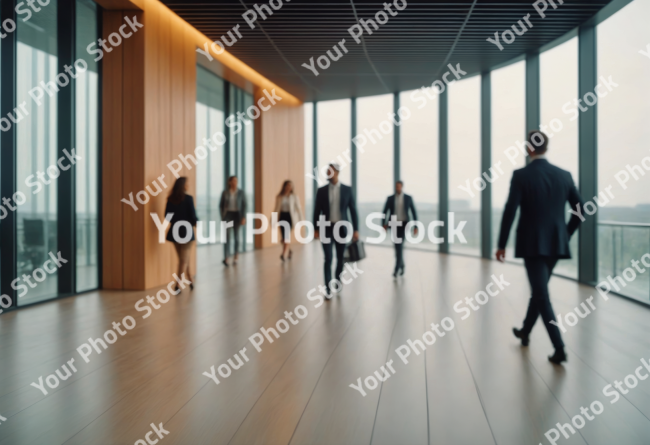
[284, 186]
[177, 194]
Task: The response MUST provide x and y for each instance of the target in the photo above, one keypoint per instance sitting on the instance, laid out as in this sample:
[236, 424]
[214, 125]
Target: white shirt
[293, 207]
[335, 201]
[285, 206]
[536, 157]
[232, 202]
[400, 211]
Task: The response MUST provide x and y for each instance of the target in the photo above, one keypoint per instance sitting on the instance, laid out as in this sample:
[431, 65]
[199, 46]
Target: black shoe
[395, 273]
[328, 294]
[191, 286]
[282, 258]
[290, 253]
[401, 270]
[225, 263]
[558, 357]
[519, 334]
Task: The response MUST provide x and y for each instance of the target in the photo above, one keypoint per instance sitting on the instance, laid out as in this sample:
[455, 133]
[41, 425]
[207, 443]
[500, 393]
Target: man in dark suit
[541, 191]
[399, 205]
[331, 222]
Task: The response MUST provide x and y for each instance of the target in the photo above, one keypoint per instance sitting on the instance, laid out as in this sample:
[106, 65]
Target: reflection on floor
[45, 290]
[475, 385]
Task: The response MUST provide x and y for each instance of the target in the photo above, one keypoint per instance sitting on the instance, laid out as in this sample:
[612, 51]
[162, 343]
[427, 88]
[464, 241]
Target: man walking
[332, 226]
[396, 210]
[541, 191]
[233, 211]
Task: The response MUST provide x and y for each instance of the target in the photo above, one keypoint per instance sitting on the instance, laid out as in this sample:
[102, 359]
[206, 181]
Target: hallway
[475, 385]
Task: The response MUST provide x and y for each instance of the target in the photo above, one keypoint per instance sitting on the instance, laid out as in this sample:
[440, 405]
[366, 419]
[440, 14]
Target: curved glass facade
[551, 81]
[623, 133]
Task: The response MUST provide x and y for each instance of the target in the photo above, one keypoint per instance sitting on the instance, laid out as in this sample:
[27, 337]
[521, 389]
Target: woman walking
[287, 205]
[182, 206]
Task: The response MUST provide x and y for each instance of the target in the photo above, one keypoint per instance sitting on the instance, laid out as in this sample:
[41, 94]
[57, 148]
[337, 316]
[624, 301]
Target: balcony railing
[618, 244]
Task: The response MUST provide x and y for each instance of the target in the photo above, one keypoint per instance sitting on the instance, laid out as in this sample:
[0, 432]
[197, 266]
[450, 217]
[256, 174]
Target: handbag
[355, 251]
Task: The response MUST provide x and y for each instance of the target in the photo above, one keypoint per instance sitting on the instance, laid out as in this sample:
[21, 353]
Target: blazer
[241, 203]
[322, 205]
[184, 211]
[294, 208]
[389, 208]
[541, 190]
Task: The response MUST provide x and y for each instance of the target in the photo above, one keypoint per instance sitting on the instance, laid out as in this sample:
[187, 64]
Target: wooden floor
[476, 385]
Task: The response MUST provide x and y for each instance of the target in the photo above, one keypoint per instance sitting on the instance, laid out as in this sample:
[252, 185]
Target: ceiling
[407, 52]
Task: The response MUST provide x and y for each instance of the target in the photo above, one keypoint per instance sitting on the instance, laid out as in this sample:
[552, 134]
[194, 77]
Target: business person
[233, 210]
[541, 191]
[399, 205]
[287, 205]
[334, 201]
[182, 206]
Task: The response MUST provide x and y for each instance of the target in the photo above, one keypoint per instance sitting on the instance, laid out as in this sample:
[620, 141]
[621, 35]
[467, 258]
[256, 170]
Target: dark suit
[400, 231]
[322, 206]
[541, 191]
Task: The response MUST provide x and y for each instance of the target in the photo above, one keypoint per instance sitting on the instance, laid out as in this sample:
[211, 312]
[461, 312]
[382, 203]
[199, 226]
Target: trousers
[232, 232]
[539, 270]
[340, 252]
[400, 233]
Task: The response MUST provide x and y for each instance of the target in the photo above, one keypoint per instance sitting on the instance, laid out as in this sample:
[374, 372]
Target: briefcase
[354, 252]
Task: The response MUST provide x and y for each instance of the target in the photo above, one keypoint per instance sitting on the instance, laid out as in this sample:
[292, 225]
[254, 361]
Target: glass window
[465, 161]
[233, 97]
[240, 141]
[375, 164]
[310, 182]
[334, 138]
[241, 152]
[248, 170]
[508, 127]
[210, 172]
[623, 134]
[419, 156]
[202, 176]
[37, 139]
[87, 144]
[559, 87]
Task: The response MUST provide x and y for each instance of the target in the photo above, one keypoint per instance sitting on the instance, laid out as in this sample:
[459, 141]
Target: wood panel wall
[170, 90]
[149, 103]
[279, 155]
[122, 156]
